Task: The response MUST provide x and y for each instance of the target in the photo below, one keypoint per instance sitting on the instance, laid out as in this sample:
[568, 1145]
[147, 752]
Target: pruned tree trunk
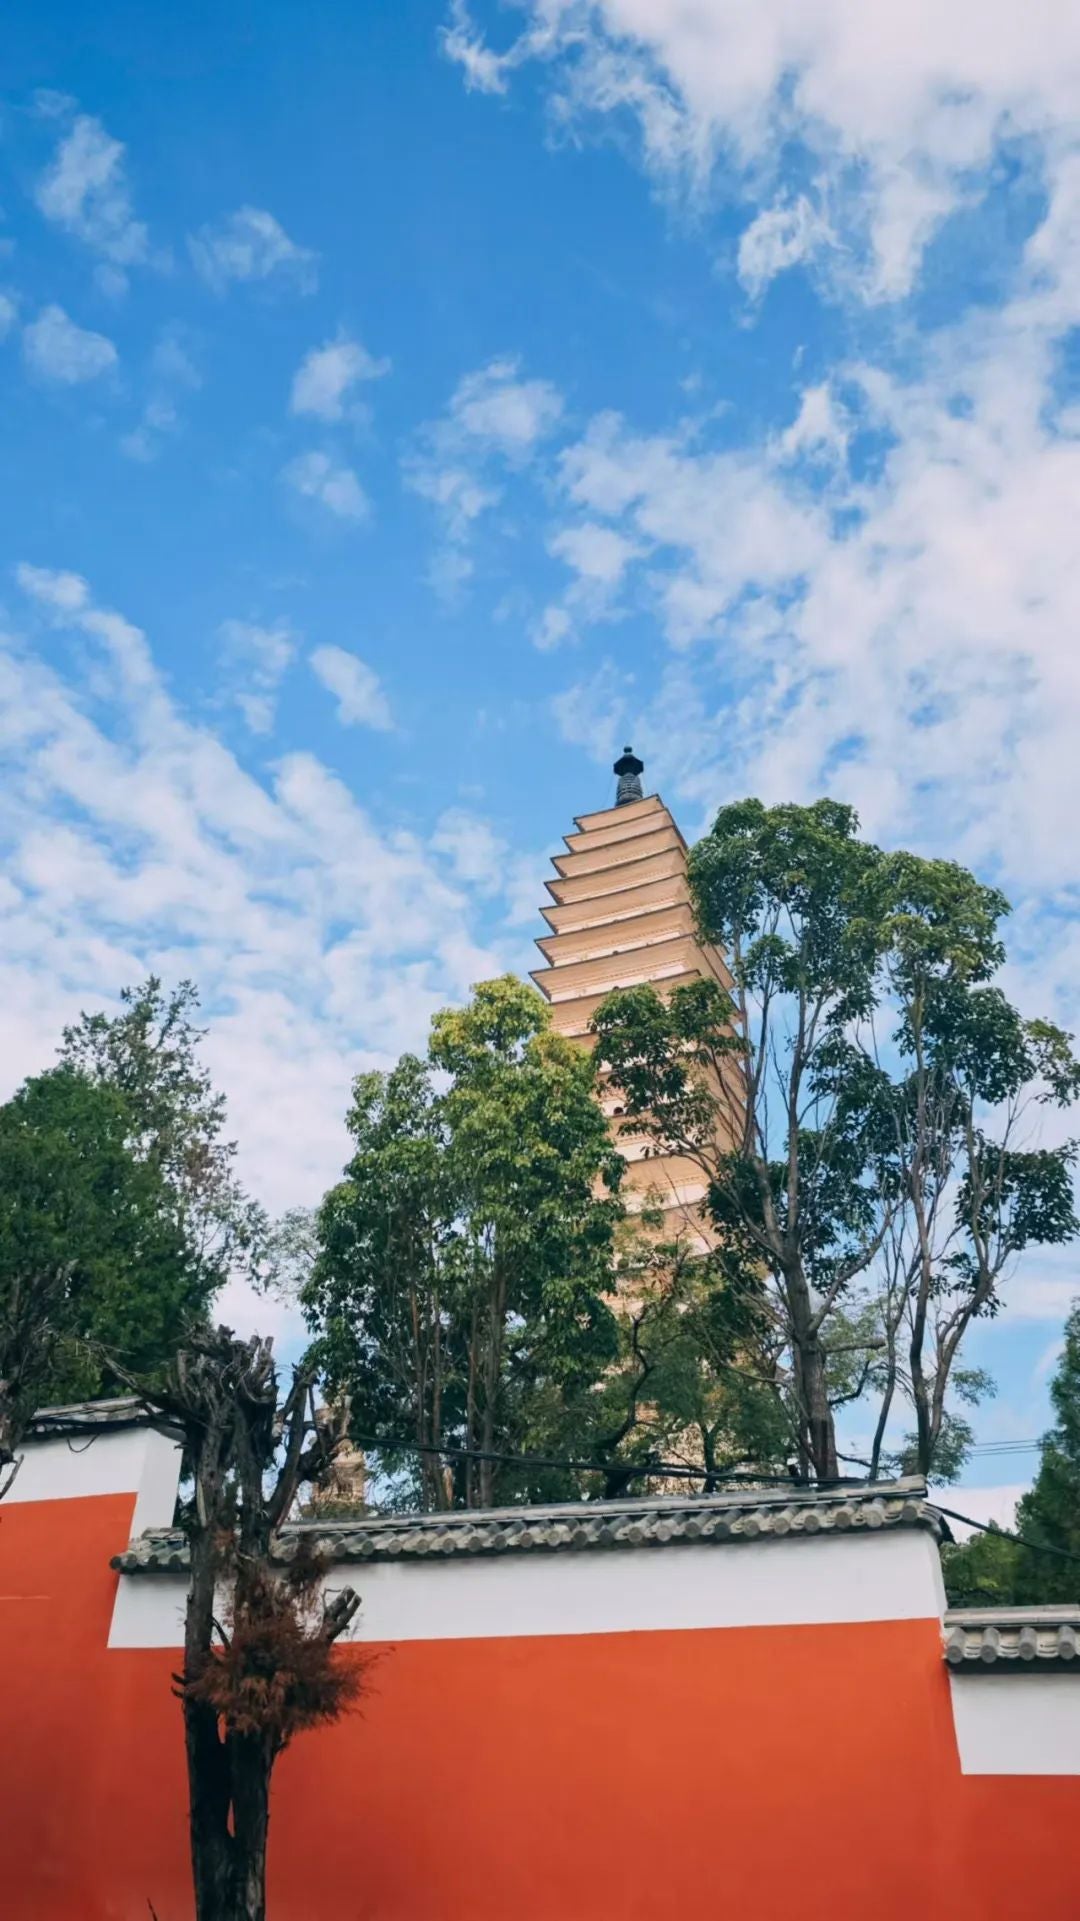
[814, 1414]
[248, 1460]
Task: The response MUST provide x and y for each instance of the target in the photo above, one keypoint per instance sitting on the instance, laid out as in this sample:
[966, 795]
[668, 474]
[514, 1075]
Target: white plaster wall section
[78, 1466]
[1017, 1723]
[894, 1577]
[148, 1611]
[155, 1503]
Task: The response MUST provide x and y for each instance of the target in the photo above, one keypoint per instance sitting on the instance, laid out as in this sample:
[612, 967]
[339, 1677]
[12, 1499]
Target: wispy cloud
[475, 851]
[172, 372]
[329, 373]
[494, 423]
[251, 245]
[900, 110]
[315, 476]
[787, 234]
[85, 191]
[257, 657]
[59, 350]
[355, 686]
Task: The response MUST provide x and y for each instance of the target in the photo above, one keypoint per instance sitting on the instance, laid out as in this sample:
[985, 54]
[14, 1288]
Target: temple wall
[761, 1730]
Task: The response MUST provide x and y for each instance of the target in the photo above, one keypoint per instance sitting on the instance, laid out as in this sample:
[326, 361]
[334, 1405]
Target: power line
[678, 1470]
[1004, 1534]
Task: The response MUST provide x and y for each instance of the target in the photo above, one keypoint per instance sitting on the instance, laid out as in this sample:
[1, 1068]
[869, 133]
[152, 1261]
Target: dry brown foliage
[276, 1671]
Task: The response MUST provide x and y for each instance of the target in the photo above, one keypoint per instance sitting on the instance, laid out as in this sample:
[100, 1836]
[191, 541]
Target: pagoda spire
[629, 769]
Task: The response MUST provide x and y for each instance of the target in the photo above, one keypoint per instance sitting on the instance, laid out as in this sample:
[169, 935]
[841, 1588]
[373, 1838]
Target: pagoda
[620, 916]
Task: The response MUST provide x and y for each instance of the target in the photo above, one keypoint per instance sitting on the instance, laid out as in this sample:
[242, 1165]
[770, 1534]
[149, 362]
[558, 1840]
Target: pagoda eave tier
[599, 910]
[656, 961]
[572, 1017]
[597, 883]
[625, 932]
[624, 814]
[598, 860]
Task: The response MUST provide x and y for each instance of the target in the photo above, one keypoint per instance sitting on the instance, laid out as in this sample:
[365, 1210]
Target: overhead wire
[679, 1470]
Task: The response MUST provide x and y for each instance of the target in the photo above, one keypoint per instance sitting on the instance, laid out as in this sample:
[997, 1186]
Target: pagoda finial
[629, 769]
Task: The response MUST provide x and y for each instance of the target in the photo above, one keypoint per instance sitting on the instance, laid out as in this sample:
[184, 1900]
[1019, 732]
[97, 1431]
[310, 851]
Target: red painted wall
[775, 1774]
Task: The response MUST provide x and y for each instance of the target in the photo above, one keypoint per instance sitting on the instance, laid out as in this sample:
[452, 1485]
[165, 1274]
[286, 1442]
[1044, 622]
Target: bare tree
[259, 1629]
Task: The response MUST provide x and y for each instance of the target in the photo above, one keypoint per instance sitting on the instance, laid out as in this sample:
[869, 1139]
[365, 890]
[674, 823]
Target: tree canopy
[120, 1210]
[92, 1255]
[860, 1100]
[1042, 1565]
[149, 1055]
[465, 1258]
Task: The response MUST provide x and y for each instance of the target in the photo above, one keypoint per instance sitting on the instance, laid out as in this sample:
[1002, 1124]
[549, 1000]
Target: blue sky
[405, 404]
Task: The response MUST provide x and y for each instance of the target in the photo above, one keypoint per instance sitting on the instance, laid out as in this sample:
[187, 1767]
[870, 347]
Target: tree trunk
[817, 1430]
[818, 1415]
[207, 1761]
[920, 1397]
[491, 1376]
[208, 1818]
[251, 1769]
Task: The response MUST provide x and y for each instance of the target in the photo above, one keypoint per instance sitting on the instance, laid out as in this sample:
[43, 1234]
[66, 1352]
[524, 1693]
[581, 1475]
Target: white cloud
[985, 1504]
[159, 417]
[361, 701]
[494, 424]
[63, 593]
[596, 552]
[476, 853]
[460, 496]
[599, 557]
[259, 657]
[1044, 1296]
[494, 407]
[787, 234]
[317, 477]
[902, 106]
[327, 373]
[820, 430]
[59, 350]
[85, 191]
[552, 629]
[251, 245]
[133, 839]
[462, 42]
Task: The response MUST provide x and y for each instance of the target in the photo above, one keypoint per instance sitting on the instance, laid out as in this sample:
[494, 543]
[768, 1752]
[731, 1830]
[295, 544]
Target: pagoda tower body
[621, 915]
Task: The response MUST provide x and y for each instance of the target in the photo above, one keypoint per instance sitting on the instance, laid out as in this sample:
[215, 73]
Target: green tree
[1049, 1515]
[970, 1187]
[1040, 1564]
[91, 1252]
[149, 1054]
[465, 1262]
[689, 1389]
[857, 1102]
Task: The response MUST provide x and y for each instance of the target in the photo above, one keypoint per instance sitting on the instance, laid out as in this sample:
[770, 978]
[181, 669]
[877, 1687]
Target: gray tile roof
[1013, 1640]
[77, 1416]
[752, 1514]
